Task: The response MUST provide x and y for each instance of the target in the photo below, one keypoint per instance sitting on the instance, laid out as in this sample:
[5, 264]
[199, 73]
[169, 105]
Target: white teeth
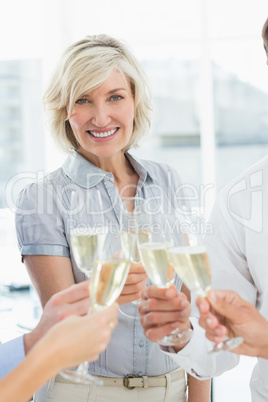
[105, 134]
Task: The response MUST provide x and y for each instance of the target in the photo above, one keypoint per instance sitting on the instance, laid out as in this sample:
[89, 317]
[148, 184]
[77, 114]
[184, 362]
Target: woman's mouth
[102, 134]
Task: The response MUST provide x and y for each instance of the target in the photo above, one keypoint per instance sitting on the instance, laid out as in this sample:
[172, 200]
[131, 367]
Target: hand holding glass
[109, 274]
[129, 227]
[158, 265]
[87, 242]
[191, 263]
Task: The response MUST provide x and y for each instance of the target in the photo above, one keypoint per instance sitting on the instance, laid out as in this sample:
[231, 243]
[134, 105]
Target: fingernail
[145, 307]
[213, 297]
[169, 293]
[218, 331]
[185, 303]
[209, 321]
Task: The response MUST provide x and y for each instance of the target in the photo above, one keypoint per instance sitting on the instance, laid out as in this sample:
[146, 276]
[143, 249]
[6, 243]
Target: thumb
[225, 302]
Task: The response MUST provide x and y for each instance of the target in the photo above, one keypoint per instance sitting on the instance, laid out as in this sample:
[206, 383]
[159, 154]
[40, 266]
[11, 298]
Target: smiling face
[102, 119]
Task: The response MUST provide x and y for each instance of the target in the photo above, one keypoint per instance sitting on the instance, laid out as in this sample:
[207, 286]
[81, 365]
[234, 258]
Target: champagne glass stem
[86, 244]
[129, 218]
[80, 375]
[227, 344]
[176, 337]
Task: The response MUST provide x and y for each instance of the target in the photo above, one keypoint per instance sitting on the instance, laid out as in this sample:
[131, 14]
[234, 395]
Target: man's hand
[162, 311]
[235, 317]
[135, 284]
[74, 300]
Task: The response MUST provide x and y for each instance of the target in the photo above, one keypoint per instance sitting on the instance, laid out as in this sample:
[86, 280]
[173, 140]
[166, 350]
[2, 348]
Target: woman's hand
[136, 282]
[73, 300]
[76, 339]
[66, 344]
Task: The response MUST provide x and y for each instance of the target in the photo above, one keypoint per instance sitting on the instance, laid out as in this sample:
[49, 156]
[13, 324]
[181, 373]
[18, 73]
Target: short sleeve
[40, 221]
[11, 354]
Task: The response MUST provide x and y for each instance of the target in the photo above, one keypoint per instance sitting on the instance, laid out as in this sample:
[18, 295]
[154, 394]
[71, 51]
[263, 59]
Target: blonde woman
[98, 105]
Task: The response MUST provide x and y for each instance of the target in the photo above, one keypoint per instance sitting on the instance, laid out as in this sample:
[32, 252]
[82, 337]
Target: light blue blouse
[11, 355]
[42, 229]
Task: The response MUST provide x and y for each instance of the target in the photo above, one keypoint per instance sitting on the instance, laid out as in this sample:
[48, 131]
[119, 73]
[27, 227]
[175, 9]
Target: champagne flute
[87, 242]
[87, 239]
[129, 230]
[158, 264]
[191, 264]
[109, 273]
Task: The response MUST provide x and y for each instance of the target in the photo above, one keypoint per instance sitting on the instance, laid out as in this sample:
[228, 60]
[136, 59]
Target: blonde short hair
[265, 37]
[84, 66]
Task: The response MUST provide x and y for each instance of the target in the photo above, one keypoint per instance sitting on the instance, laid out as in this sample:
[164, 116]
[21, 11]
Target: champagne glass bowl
[156, 260]
[87, 242]
[191, 263]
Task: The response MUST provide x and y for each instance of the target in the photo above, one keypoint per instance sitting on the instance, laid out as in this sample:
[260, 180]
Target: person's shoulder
[45, 179]
[241, 200]
[39, 184]
[252, 177]
[157, 164]
[157, 168]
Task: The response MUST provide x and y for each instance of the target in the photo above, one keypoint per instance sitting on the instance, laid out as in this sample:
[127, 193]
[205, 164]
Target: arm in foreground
[162, 311]
[236, 317]
[49, 355]
[73, 300]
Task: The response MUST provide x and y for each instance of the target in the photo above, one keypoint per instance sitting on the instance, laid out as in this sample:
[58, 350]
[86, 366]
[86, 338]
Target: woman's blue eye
[116, 97]
[81, 101]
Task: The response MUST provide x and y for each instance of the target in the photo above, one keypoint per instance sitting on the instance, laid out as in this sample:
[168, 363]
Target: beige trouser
[55, 391]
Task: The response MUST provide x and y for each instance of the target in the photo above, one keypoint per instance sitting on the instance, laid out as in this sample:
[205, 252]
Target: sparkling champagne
[192, 266]
[86, 248]
[107, 281]
[157, 263]
[130, 243]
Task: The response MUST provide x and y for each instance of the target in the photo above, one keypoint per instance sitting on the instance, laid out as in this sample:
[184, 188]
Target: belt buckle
[126, 381]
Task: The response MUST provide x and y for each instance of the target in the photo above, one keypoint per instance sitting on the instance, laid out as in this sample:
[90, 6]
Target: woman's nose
[100, 116]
